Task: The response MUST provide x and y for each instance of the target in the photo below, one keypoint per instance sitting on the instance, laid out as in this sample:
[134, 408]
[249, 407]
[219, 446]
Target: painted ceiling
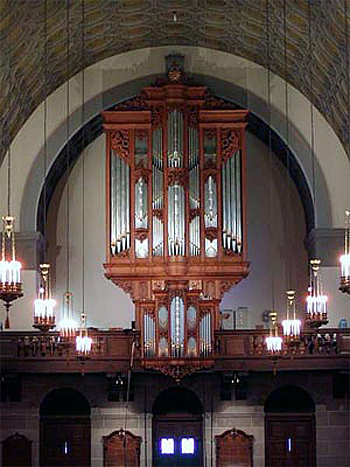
[115, 26]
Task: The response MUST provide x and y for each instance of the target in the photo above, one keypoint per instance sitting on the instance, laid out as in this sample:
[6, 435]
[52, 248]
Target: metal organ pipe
[239, 204]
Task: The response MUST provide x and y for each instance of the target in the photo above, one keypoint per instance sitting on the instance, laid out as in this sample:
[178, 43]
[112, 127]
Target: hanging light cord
[347, 66]
[288, 174]
[68, 147]
[83, 145]
[270, 140]
[311, 107]
[45, 127]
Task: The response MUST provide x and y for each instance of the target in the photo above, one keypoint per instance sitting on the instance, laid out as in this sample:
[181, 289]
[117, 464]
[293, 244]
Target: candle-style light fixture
[67, 324]
[274, 340]
[44, 313]
[291, 325]
[10, 268]
[345, 258]
[83, 343]
[44, 317]
[317, 314]
[344, 285]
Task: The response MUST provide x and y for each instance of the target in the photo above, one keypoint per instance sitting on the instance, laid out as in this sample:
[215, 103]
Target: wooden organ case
[176, 223]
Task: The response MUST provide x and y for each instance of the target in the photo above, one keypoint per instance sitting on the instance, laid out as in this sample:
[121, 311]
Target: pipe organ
[176, 233]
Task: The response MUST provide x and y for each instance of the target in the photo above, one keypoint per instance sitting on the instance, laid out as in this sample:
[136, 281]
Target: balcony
[324, 349]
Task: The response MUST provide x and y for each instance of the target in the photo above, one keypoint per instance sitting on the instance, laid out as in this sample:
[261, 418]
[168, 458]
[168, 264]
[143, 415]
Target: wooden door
[234, 448]
[16, 451]
[290, 440]
[65, 442]
[121, 449]
[186, 432]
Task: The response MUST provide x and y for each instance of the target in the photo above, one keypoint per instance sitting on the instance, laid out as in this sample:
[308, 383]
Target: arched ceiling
[115, 26]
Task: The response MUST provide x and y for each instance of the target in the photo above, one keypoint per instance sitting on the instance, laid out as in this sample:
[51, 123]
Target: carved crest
[120, 143]
[230, 143]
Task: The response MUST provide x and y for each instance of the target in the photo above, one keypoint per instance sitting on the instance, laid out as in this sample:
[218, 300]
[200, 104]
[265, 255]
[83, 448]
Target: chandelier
[345, 258]
[10, 268]
[317, 313]
[67, 324]
[291, 325]
[273, 341]
[83, 343]
[44, 317]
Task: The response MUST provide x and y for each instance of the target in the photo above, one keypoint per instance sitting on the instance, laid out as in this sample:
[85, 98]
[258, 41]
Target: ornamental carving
[177, 176]
[230, 143]
[120, 143]
[212, 102]
[141, 234]
[193, 116]
[158, 213]
[157, 116]
[180, 370]
[136, 103]
[127, 286]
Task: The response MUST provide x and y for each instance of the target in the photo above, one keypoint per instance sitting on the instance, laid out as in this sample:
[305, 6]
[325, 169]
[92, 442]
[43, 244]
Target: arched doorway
[290, 439]
[177, 429]
[65, 429]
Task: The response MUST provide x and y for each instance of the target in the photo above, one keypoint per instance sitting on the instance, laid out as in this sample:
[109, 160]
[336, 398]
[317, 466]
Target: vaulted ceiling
[115, 26]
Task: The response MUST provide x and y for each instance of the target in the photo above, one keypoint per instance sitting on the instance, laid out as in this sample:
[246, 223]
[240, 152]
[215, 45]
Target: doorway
[65, 429]
[177, 429]
[290, 438]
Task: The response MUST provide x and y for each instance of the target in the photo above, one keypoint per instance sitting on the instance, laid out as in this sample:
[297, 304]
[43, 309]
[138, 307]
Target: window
[167, 446]
[187, 446]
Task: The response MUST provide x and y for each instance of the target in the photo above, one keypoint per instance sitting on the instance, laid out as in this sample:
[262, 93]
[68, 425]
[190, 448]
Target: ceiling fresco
[116, 26]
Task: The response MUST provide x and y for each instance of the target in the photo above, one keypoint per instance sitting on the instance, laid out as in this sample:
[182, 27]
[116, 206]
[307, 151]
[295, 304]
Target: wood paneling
[234, 448]
[16, 451]
[121, 449]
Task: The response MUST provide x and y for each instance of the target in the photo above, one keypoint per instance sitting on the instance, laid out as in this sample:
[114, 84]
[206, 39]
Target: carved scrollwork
[141, 234]
[211, 233]
[127, 286]
[230, 143]
[177, 176]
[157, 116]
[193, 116]
[136, 103]
[120, 143]
[158, 213]
[179, 371]
[212, 102]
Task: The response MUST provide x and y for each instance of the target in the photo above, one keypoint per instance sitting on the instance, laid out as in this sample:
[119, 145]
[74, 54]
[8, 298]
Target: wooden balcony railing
[112, 350]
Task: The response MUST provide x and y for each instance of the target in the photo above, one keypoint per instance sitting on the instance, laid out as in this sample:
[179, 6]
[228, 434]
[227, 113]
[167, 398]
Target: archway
[65, 429]
[177, 429]
[16, 451]
[290, 438]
